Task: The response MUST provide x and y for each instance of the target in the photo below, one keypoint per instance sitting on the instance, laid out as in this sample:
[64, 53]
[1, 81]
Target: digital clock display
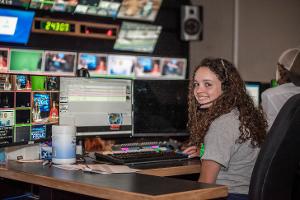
[57, 26]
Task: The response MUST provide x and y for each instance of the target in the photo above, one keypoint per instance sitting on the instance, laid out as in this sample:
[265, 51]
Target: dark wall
[168, 45]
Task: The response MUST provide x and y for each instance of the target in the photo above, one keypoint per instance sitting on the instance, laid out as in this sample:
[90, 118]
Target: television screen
[121, 65]
[3, 60]
[106, 8]
[22, 134]
[174, 68]
[147, 67]
[42, 4]
[42, 100]
[137, 37]
[64, 5]
[21, 81]
[253, 89]
[26, 61]
[60, 63]
[139, 10]
[6, 136]
[7, 118]
[38, 132]
[15, 25]
[160, 107]
[20, 3]
[96, 106]
[95, 63]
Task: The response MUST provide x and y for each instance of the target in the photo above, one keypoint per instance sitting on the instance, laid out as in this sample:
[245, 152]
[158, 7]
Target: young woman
[222, 116]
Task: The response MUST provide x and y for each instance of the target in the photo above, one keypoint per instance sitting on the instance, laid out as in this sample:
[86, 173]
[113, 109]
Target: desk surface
[113, 186]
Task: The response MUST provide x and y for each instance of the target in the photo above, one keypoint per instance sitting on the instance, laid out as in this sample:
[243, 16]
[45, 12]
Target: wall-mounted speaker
[191, 23]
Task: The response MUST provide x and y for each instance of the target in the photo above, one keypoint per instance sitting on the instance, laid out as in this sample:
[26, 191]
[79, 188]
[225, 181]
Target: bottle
[53, 113]
[7, 85]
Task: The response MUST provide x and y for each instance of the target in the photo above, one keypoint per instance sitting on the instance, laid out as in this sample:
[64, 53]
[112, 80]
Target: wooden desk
[113, 186]
[185, 167]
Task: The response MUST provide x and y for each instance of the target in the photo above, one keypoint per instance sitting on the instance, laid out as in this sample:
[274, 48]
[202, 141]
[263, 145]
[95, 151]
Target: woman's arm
[209, 171]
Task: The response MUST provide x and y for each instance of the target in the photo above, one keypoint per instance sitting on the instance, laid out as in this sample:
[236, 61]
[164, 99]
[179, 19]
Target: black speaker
[191, 23]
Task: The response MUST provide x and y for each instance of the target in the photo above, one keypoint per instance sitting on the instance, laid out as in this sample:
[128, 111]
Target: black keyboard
[129, 158]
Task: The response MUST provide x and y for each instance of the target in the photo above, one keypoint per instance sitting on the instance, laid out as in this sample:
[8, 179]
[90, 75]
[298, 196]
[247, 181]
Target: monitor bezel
[57, 73]
[26, 72]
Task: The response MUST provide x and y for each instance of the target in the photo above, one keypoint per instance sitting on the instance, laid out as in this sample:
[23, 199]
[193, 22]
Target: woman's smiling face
[207, 87]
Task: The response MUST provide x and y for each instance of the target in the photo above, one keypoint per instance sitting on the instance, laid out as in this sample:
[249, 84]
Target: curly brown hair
[234, 96]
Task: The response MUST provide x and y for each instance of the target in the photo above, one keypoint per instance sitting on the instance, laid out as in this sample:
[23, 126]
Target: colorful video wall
[62, 63]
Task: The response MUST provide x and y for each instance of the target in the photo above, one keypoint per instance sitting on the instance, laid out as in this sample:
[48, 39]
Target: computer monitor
[148, 67]
[60, 63]
[19, 3]
[253, 89]
[4, 60]
[137, 37]
[64, 5]
[41, 107]
[121, 65]
[41, 4]
[26, 61]
[174, 68]
[15, 25]
[160, 108]
[96, 106]
[38, 132]
[95, 63]
[105, 8]
[143, 10]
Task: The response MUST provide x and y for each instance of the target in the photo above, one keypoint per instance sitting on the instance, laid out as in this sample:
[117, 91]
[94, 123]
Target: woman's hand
[192, 151]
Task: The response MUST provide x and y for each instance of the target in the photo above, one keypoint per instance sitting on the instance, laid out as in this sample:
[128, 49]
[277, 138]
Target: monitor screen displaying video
[96, 106]
[4, 60]
[26, 61]
[19, 3]
[60, 63]
[139, 10]
[137, 37]
[174, 68]
[253, 89]
[42, 4]
[64, 5]
[105, 8]
[38, 132]
[15, 25]
[95, 63]
[148, 67]
[121, 65]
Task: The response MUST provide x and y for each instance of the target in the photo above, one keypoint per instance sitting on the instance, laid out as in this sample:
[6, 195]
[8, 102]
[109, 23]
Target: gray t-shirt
[237, 160]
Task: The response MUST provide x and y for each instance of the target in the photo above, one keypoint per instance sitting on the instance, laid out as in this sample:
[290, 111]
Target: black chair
[276, 174]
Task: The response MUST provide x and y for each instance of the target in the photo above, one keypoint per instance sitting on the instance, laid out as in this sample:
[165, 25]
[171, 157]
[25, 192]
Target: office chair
[276, 174]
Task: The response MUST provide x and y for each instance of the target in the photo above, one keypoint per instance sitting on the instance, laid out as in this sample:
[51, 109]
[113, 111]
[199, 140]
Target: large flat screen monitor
[60, 63]
[160, 108]
[139, 10]
[121, 65]
[137, 37]
[96, 106]
[95, 63]
[15, 25]
[26, 61]
[253, 89]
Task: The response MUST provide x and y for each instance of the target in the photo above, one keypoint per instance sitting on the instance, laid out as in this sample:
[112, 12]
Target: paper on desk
[99, 168]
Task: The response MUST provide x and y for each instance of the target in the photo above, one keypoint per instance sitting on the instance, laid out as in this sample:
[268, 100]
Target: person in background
[223, 118]
[288, 78]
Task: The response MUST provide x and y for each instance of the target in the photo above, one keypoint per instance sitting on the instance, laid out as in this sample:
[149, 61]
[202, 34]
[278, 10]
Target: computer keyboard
[130, 158]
